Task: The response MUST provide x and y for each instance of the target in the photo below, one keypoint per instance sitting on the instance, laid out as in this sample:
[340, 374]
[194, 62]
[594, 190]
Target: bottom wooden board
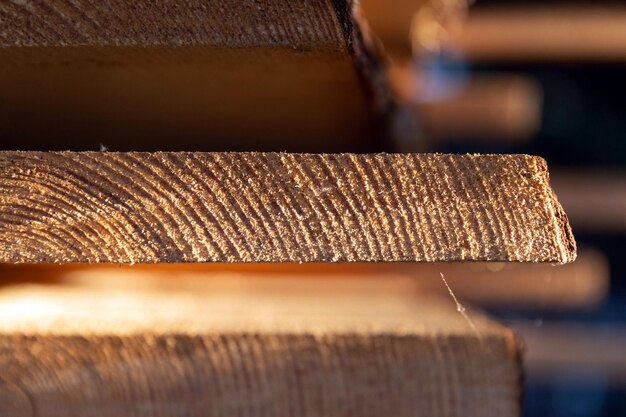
[98, 351]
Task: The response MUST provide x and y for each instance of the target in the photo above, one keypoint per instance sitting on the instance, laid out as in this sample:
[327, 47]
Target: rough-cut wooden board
[188, 353]
[188, 75]
[174, 22]
[253, 207]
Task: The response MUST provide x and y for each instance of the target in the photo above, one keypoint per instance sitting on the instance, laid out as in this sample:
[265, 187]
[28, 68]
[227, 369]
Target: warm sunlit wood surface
[105, 352]
[278, 207]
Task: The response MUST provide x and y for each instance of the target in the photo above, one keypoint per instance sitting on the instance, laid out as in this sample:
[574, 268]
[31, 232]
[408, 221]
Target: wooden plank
[561, 32]
[182, 75]
[227, 23]
[134, 353]
[256, 207]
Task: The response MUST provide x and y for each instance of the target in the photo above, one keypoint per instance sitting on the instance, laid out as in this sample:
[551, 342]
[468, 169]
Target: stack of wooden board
[191, 75]
[95, 351]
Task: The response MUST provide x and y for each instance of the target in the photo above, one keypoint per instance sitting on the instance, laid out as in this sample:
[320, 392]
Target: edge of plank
[562, 223]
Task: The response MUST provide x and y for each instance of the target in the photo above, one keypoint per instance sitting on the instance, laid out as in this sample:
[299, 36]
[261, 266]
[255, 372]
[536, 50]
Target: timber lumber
[590, 32]
[189, 75]
[270, 207]
[579, 285]
[581, 351]
[74, 351]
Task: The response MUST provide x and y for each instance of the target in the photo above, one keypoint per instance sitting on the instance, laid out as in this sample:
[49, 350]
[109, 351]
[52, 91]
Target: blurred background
[547, 78]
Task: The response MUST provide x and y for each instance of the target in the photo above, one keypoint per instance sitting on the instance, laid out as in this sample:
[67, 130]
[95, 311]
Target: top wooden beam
[183, 75]
[277, 207]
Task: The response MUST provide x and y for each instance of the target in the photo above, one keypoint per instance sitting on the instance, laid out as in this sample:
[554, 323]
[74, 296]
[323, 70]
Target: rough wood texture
[173, 22]
[253, 207]
[105, 354]
[183, 74]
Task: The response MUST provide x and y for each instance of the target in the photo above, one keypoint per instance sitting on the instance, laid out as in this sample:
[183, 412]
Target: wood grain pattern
[414, 27]
[172, 22]
[270, 207]
[184, 74]
[102, 353]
